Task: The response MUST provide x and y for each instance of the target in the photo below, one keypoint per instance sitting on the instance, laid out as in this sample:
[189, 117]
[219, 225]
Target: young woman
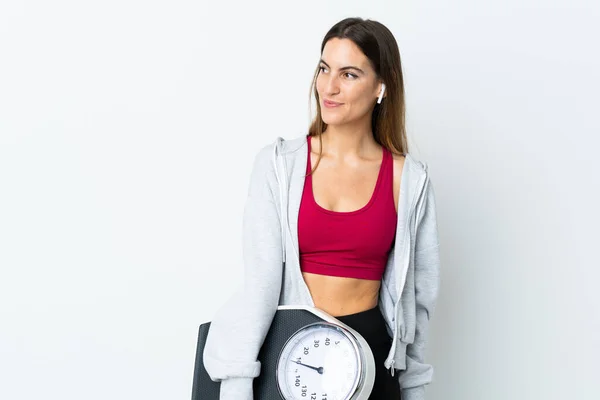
[359, 224]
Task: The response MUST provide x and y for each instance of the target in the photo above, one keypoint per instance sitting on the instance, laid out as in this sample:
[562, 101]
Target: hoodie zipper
[283, 188]
[390, 359]
[407, 245]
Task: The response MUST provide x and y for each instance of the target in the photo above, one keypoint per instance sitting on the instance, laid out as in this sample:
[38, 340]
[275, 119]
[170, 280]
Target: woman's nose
[332, 85]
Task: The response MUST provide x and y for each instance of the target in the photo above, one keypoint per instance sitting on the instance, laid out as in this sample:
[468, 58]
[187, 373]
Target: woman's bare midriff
[342, 296]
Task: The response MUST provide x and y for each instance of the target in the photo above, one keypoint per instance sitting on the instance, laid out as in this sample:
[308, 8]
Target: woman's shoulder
[398, 164]
[268, 156]
[282, 145]
[291, 145]
[415, 163]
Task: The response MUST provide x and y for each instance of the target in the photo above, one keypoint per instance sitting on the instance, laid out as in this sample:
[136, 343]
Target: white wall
[127, 130]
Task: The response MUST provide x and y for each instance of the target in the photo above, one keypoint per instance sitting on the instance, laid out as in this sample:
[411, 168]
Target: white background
[127, 132]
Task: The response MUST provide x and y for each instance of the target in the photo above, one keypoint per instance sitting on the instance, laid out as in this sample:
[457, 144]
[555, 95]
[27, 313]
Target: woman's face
[346, 77]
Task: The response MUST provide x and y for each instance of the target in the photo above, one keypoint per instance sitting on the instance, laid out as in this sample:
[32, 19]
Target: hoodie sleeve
[240, 326]
[427, 271]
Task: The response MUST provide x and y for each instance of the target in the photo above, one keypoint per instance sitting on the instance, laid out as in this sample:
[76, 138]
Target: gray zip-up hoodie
[272, 275]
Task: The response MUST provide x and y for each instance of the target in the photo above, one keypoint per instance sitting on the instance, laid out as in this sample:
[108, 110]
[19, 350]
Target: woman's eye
[321, 68]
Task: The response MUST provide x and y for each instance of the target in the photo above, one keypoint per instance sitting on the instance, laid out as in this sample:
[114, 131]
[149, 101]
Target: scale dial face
[321, 361]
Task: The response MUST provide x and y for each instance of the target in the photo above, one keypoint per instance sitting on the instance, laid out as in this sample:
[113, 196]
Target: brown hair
[379, 45]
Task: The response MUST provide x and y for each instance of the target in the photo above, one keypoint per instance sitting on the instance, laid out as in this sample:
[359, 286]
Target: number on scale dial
[319, 362]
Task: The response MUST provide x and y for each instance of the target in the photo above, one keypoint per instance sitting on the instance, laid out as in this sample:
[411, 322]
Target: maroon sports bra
[352, 244]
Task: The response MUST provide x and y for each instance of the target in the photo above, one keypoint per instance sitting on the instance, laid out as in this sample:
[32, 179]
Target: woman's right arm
[240, 326]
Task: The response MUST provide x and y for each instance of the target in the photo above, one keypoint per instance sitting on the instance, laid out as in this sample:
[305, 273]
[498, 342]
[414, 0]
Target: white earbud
[381, 93]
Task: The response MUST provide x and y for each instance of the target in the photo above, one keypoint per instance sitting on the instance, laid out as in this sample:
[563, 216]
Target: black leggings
[371, 325]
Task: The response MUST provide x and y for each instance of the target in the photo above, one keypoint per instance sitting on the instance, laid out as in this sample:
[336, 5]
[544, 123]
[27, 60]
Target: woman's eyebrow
[343, 68]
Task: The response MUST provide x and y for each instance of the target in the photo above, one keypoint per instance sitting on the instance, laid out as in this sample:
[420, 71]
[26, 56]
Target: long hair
[380, 47]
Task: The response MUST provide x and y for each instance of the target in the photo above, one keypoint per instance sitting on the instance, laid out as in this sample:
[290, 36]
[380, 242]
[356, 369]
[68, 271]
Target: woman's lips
[330, 104]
